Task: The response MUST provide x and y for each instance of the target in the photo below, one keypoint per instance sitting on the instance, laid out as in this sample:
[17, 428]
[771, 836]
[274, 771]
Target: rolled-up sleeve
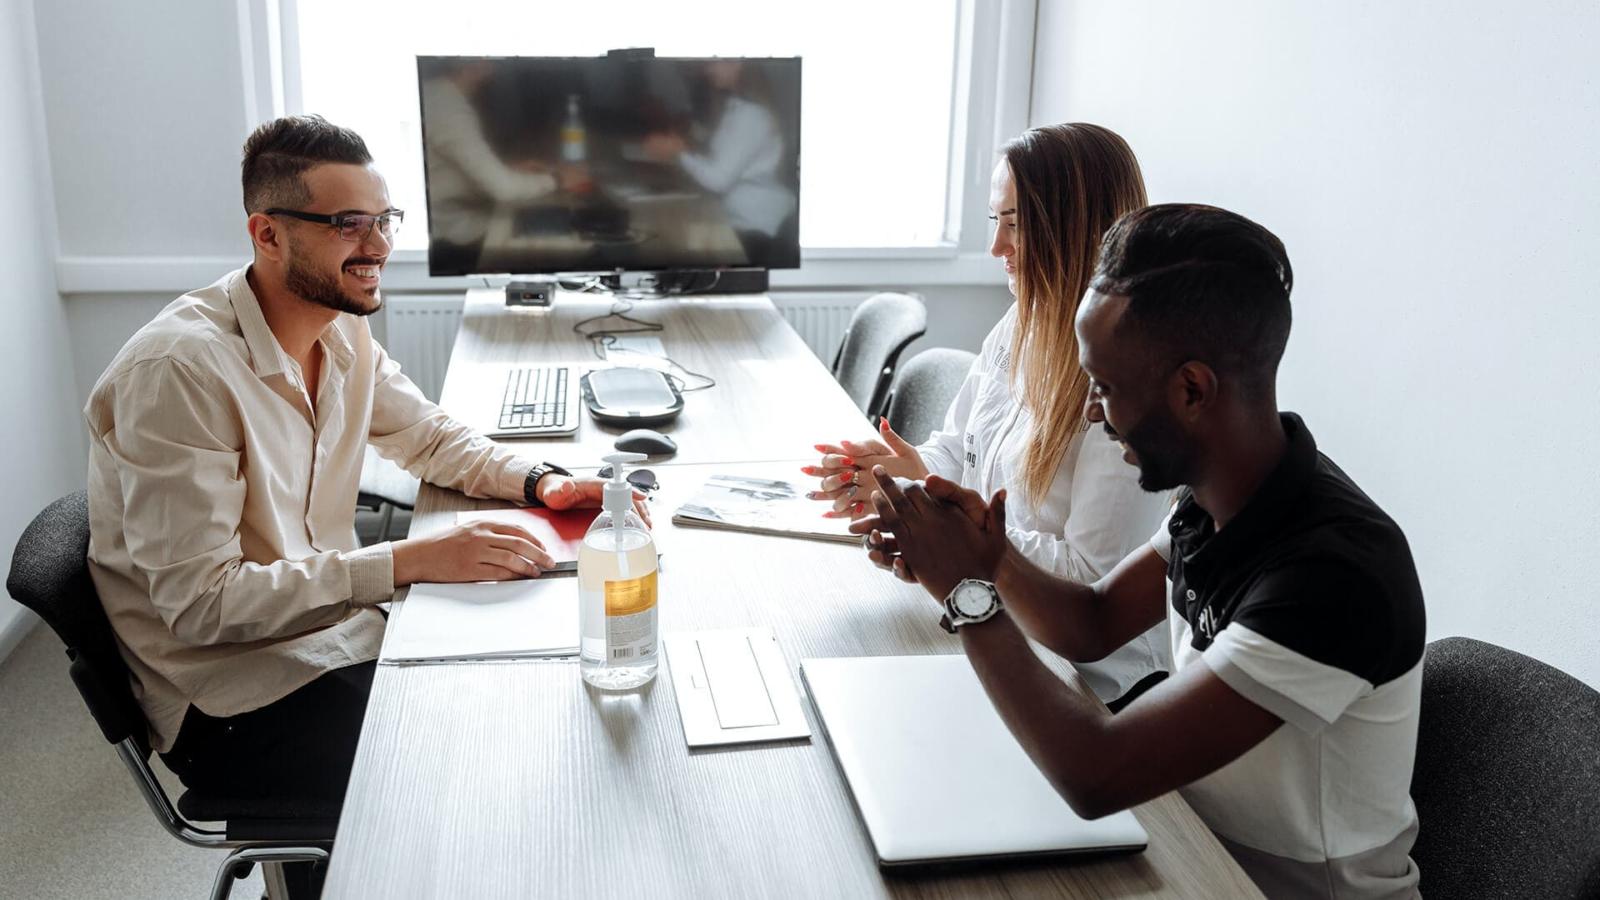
[177, 447]
[414, 432]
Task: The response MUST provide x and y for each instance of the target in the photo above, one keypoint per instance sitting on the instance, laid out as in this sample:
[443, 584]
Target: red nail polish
[849, 461]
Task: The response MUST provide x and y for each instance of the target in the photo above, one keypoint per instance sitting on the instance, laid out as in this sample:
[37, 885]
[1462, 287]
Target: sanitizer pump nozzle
[617, 497]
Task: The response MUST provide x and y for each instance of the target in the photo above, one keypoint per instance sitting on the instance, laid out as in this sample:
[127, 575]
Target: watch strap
[531, 483]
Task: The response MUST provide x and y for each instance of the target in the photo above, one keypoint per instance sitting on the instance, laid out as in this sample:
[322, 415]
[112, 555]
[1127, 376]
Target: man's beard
[326, 290]
[1163, 455]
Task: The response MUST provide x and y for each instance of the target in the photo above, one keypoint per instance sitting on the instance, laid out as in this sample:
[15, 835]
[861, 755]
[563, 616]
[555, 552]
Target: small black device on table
[631, 397]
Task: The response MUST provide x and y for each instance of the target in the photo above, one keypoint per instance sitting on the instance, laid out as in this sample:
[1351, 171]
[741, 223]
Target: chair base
[238, 864]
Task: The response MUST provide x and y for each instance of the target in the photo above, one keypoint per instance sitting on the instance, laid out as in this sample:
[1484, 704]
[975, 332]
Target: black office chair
[1507, 781]
[50, 575]
[923, 390]
[385, 487]
[879, 331]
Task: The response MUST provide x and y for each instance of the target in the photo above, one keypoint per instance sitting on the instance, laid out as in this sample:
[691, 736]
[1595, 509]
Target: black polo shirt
[1307, 603]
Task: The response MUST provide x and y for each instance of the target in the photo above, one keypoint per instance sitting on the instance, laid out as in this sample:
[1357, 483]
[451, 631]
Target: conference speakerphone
[631, 397]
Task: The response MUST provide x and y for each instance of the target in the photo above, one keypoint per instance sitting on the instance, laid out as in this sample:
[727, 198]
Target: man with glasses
[227, 439]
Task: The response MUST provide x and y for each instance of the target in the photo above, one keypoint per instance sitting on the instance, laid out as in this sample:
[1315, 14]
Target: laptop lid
[935, 774]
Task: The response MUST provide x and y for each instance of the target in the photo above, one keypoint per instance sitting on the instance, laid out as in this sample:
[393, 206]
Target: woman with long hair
[1018, 421]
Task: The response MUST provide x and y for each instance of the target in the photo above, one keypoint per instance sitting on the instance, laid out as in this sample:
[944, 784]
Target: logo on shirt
[1207, 625]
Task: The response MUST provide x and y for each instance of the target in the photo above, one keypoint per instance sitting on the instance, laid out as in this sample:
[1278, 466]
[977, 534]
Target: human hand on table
[473, 551]
[843, 463]
[566, 492]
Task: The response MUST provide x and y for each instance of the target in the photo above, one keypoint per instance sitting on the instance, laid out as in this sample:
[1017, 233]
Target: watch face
[972, 599]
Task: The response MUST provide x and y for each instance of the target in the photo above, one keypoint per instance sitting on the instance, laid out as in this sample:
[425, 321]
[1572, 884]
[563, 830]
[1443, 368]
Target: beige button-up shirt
[222, 509]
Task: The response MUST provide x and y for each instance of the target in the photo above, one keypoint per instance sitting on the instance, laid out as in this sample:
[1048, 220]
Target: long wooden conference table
[514, 779]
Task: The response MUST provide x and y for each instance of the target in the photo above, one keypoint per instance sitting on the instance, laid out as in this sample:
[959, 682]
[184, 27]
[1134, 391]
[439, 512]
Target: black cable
[601, 340]
[683, 386]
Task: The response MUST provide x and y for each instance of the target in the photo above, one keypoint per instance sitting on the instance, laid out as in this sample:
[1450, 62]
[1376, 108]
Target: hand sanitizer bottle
[574, 138]
[617, 590]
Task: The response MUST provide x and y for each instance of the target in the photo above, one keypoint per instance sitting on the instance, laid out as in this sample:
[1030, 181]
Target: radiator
[419, 332]
[820, 317]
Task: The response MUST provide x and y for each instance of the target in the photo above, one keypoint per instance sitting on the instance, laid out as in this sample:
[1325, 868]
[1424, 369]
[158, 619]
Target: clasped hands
[933, 533]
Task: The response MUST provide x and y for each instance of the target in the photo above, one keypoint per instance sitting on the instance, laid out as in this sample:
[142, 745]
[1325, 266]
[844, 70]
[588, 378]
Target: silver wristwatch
[970, 602]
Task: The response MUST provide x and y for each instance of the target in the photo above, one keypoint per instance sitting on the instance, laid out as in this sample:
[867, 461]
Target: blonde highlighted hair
[1073, 181]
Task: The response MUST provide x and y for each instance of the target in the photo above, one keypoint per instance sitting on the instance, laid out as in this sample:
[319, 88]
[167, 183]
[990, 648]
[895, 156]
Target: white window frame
[991, 100]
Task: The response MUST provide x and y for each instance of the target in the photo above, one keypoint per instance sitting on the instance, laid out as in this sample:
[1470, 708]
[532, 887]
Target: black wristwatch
[534, 474]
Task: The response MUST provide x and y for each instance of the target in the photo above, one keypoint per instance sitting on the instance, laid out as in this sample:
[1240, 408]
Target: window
[877, 97]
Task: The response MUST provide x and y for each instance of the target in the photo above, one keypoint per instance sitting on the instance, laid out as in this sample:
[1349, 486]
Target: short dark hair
[279, 152]
[1202, 284]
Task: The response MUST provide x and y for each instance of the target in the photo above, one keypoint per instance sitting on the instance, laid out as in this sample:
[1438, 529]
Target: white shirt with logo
[1092, 516]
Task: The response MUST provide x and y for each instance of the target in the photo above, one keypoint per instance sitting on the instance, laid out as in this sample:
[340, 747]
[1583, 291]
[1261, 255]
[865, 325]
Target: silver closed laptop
[935, 774]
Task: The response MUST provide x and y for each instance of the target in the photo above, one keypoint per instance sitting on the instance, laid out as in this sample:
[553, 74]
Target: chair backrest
[1507, 781]
[880, 329]
[50, 575]
[923, 390]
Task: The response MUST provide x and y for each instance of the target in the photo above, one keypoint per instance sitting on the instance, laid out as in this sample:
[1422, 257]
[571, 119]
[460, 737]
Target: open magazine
[761, 506]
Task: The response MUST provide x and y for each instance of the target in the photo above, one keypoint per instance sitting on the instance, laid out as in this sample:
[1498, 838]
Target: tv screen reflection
[538, 165]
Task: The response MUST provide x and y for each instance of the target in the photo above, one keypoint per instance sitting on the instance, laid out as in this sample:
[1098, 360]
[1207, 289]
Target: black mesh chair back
[879, 331]
[1507, 782]
[384, 488]
[50, 575]
[923, 390]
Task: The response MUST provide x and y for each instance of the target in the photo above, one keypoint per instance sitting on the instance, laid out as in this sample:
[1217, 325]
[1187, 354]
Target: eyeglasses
[643, 479]
[351, 226]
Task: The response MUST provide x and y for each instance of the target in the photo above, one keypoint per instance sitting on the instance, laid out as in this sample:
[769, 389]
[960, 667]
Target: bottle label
[573, 149]
[631, 619]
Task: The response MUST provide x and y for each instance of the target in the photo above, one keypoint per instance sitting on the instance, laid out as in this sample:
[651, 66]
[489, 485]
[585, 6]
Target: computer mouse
[643, 440]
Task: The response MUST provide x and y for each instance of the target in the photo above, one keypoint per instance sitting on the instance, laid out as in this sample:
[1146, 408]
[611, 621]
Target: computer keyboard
[536, 400]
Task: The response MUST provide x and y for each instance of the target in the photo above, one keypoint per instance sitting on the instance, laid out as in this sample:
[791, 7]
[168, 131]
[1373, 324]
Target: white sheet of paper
[643, 351]
[486, 620]
[733, 687]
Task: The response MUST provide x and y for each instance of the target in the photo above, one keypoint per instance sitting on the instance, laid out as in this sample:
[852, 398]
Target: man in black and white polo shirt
[1290, 723]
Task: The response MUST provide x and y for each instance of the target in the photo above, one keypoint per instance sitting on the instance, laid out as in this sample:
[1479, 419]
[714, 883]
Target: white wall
[1432, 168]
[147, 111]
[41, 455]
